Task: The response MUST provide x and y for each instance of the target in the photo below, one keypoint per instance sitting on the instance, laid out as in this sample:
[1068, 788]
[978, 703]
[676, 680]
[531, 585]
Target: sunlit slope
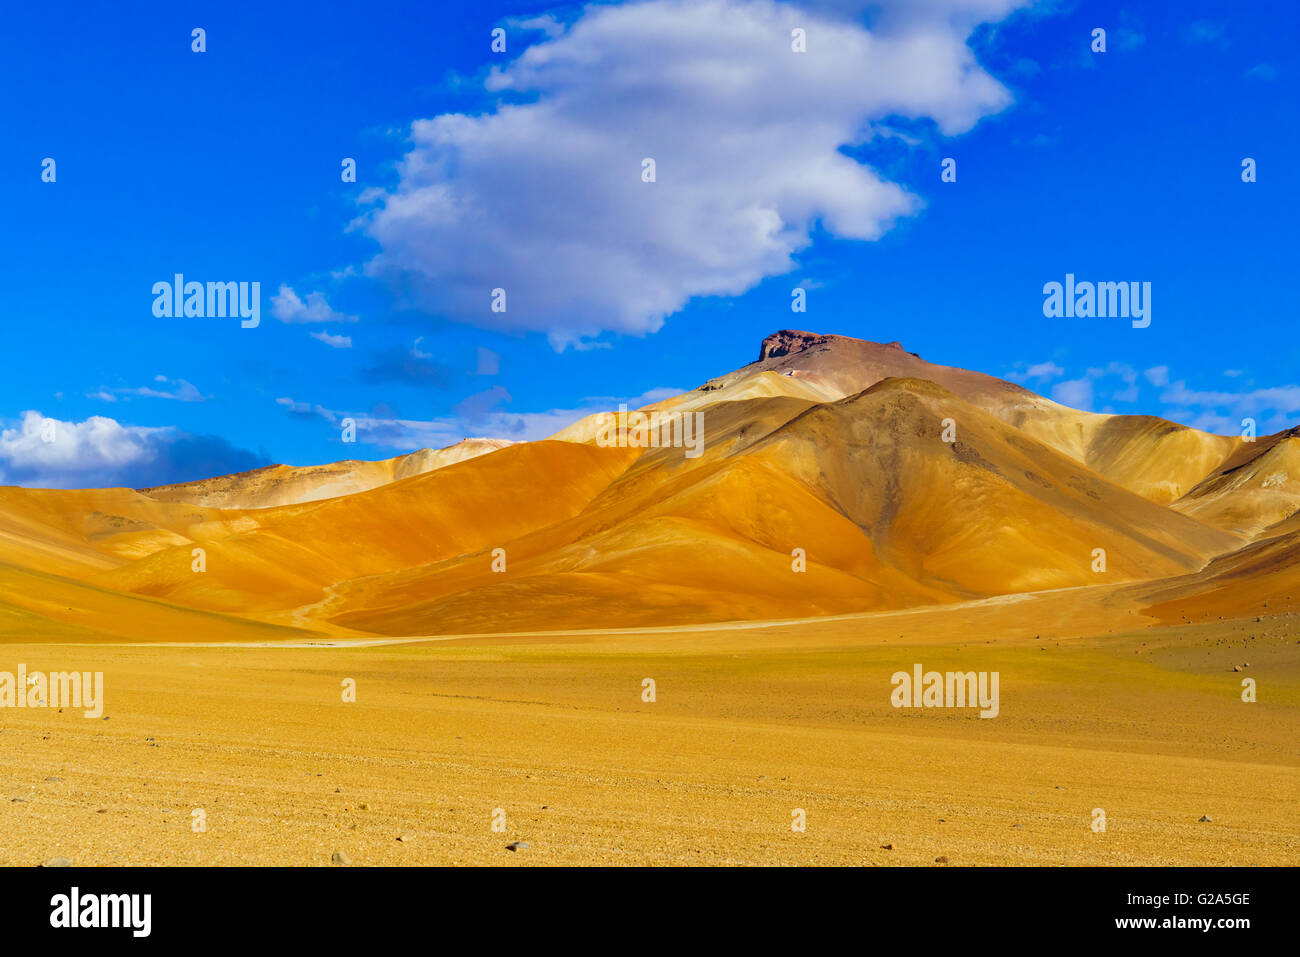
[993, 512]
[37, 606]
[1157, 459]
[719, 543]
[1256, 487]
[1262, 578]
[883, 513]
[296, 552]
[288, 485]
[80, 532]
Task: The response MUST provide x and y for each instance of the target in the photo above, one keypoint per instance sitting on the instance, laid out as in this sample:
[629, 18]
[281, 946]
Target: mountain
[836, 476]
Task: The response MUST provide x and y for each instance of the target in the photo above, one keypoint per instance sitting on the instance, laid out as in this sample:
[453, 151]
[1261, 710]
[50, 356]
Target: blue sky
[522, 170]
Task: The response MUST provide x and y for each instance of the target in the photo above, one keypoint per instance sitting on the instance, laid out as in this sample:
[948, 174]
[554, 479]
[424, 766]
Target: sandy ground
[749, 724]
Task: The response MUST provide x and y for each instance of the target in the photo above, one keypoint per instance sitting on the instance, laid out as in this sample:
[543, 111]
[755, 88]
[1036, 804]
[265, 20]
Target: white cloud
[545, 23]
[180, 391]
[48, 444]
[1040, 372]
[544, 198]
[1076, 393]
[1157, 376]
[1273, 409]
[1282, 399]
[287, 306]
[334, 342]
[43, 452]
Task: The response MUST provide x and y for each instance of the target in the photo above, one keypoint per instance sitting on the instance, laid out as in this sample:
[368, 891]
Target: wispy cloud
[477, 415]
[1202, 31]
[178, 390]
[333, 341]
[1118, 387]
[1039, 372]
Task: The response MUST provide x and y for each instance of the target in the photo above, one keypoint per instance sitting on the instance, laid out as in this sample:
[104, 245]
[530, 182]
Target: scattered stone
[363, 807]
[57, 862]
[338, 857]
[518, 846]
[1206, 819]
[1236, 667]
[941, 860]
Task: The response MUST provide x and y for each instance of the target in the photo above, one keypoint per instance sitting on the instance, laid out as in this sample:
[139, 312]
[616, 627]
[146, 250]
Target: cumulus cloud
[100, 452]
[544, 197]
[288, 306]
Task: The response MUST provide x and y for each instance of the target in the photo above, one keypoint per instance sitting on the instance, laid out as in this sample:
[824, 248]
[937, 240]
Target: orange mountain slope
[836, 475]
